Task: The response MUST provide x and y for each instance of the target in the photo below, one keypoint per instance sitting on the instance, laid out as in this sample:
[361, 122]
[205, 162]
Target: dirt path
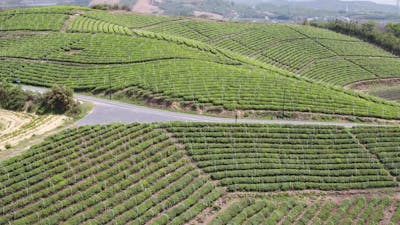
[67, 22]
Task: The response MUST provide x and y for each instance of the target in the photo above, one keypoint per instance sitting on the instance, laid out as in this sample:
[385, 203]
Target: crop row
[100, 49]
[384, 143]
[267, 158]
[202, 83]
[87, 25]
[327, 70]
[290, 210]
[43, 10]
[130, 20]
[77, 176]
[303, 46]
[33, 22]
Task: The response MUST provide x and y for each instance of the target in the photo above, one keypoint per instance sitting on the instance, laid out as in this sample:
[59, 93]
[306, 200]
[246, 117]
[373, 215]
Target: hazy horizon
[391, 2]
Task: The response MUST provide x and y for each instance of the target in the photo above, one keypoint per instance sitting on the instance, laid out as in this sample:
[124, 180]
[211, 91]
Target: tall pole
[283, 103]
[109, 90]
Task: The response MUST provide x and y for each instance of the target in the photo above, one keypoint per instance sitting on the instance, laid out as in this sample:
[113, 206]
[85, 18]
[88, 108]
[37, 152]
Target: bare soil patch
[208, 15]
[387, 88]
[366, 85]
[23, 126]
[145, 6]
[73, 52]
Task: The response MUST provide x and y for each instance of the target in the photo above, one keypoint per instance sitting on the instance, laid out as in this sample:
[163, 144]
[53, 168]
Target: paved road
[106, 111]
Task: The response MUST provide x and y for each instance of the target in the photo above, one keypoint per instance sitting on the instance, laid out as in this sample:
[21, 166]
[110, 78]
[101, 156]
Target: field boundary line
[145, 27]
[72, 63]
[228, 36]
[209, 211]
[374, 155]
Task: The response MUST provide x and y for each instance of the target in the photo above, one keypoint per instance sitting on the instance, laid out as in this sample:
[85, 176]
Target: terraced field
[155, 174]
[181, 64]
[303, 50]
[350, 210]
[134, 170]
[270, 158]
[198, 173]
[16, 127]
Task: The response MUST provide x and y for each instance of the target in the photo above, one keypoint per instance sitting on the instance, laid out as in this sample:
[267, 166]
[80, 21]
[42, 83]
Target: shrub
[59, 100]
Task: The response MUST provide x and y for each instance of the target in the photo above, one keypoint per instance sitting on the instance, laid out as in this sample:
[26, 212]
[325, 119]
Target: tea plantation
[202, 173]
[173, 61]
[171, 173]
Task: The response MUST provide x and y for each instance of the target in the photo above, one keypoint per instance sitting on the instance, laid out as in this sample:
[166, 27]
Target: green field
[197, 65]
[202, 173]
[138, 174]
[269, 158]
[355, 210]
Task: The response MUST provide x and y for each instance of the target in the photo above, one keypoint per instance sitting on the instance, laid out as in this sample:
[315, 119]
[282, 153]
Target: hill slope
[103, 53]
[177, 173]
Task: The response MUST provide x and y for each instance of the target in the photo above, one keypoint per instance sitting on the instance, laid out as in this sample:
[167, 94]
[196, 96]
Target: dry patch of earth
[17, 127]
[208, 15]
[146, 6]
[387, 88]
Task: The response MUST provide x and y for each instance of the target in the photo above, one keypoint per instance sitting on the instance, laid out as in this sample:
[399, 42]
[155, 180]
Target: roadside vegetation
[58, 100]
[27, 117]
[387, 38]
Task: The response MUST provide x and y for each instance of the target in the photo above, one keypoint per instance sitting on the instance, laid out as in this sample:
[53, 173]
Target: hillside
[193, 65]
[197, 173]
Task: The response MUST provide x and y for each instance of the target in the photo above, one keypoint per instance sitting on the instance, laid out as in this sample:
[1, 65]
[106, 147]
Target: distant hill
[36, 3]
[280, 10]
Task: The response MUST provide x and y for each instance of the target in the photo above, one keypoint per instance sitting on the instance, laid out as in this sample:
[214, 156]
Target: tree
[368, 27]
[12, 97]
[59, 99]
[393, 28]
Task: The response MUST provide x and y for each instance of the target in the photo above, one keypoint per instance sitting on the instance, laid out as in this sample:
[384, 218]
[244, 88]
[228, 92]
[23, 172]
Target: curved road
[106, 111]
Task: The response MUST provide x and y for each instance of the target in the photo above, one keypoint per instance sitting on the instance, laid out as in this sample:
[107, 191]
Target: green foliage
[37, 22]
[203, 84]
[129, 20]
[368, 32]
[104, 174]
[59, 100]
[12, 97]
[393, 28]
[278, 157]
[87, 25]
[176, 69]
[384, 143]
[8, 146]
[280, 210]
